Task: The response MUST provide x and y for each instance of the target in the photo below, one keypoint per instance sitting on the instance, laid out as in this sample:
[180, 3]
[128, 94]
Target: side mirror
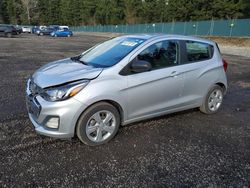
[140, 66]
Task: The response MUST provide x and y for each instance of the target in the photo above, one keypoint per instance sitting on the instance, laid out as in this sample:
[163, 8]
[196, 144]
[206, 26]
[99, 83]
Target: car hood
[63, 71]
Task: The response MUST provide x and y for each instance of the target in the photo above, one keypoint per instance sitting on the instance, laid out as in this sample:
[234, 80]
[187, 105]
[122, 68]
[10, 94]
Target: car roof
[160, 35]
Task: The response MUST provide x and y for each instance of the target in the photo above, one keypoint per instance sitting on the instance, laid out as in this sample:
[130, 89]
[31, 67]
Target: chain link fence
[227, 28]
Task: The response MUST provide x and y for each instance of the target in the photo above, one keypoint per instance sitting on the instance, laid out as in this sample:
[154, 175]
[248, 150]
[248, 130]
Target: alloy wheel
[100, 126]
[215, 100]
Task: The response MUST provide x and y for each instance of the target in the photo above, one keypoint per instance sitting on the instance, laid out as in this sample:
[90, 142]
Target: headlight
[63, 92]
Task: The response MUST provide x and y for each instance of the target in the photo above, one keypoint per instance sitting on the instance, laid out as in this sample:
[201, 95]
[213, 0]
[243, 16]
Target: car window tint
[161, 54]
[197, 51]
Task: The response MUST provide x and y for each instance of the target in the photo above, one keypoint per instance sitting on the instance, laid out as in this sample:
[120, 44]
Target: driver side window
[162, 54]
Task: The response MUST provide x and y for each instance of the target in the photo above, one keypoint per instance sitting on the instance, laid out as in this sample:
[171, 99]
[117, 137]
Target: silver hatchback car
[124, 80]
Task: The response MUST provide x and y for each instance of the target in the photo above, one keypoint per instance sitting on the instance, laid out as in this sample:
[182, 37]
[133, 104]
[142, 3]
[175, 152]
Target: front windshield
[110, 52]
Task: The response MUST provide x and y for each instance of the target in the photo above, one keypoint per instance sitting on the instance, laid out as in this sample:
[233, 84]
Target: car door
[197, 66]
[159, 90]
[65, 32]
[60, 33]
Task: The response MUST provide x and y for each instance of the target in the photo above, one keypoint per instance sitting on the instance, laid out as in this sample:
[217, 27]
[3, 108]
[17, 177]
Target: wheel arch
[112, 102]
[223, 86]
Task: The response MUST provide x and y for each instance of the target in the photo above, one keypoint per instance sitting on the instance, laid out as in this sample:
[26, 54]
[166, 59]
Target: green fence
[229, 28]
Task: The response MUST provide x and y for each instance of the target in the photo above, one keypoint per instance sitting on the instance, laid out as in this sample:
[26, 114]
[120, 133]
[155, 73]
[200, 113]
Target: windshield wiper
[77, 59]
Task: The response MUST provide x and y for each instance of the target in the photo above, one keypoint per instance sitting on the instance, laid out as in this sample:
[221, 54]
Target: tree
[48, 11]
[14, 11]
[246, 8]
[132, 10]
[109, 12]
[3, 12]
[179, 10]
[65, 12]
[154, 11]
[227, 9]
[92, 12]
[27, 4]
[202, 10]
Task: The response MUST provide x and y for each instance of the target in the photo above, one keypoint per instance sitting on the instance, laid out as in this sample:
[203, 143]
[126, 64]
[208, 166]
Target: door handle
[173, 74]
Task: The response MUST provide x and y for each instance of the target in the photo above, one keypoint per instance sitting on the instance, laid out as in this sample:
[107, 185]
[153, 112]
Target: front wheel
[213, 100]
[98, 124]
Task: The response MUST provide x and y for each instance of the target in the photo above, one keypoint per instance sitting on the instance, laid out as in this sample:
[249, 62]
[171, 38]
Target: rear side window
[197, 51]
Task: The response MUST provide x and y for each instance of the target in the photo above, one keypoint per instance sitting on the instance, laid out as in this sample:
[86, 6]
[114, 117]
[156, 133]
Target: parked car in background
[42, 27]
[125, 80]
[8, 30]
[18, 29]
[26, 29]
[46, 31]
[62, 33]
[34, 29]
[55, 27]
[63, 27]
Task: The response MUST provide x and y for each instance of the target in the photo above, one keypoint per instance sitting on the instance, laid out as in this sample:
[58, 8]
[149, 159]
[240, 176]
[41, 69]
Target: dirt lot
[236, 46]
[183, 149]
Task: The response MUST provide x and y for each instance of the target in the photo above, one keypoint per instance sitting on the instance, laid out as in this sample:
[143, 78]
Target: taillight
[225, 64]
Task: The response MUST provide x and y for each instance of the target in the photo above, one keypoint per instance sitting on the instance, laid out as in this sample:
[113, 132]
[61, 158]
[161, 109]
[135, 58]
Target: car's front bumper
[66, 112]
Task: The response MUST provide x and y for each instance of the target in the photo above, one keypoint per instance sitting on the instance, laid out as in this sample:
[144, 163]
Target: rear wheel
[55, 35]
[98, 124]
[68, 36]
[213, 100]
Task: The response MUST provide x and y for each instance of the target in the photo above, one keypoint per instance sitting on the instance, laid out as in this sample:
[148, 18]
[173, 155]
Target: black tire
[205, 106]
[81, 126]
[9, 35]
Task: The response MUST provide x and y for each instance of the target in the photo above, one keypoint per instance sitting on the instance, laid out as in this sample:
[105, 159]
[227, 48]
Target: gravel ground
[240, 51]
[186, 149]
